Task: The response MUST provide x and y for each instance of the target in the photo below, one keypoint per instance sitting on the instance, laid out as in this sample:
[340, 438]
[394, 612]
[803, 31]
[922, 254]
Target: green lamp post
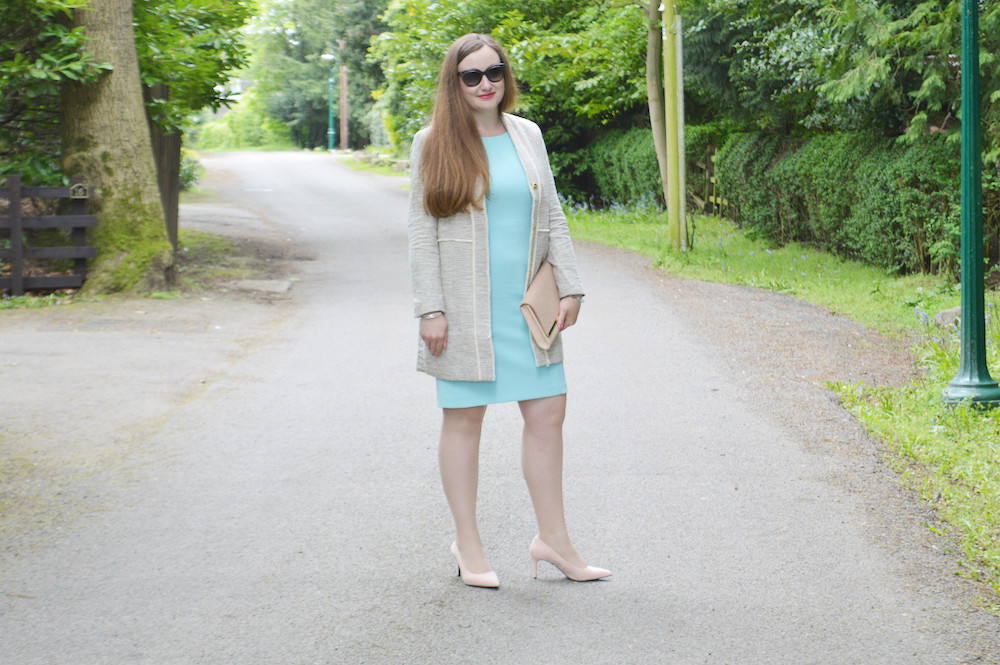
[973, 382]
[331, 133]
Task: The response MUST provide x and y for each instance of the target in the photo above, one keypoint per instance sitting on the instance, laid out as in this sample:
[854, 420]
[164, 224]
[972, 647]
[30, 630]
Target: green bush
[874, 199]
[907, 211]
[622, 163]
[190, 168]
[624, 167]
[740, 171]
[245, 126]
[991, 211]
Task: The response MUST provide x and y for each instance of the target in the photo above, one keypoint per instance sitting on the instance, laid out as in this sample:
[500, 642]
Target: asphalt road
[256, 482]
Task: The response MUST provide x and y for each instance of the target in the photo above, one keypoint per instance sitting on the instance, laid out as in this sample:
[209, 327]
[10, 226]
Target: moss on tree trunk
[106, 144]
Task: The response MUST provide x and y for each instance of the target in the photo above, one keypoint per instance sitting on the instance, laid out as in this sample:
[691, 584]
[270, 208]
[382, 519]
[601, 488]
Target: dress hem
[503, 401]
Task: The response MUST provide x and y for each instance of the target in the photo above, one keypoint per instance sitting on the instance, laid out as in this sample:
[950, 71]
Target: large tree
[106, 144]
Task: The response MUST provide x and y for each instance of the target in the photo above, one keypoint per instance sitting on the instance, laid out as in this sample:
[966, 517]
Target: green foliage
[61, 297]
[191, 169]
[741, 168]
[188, 45]
[360, 21]
[624, 166]
[700, 139]
[906, 215]
[759, 63]
[292, 77]
[247, 125]
[580, 69]
[191, 47]
[803, 66]
[580, 65]
[38, 53]
[410, 52]
[892, 205]
[905, 56]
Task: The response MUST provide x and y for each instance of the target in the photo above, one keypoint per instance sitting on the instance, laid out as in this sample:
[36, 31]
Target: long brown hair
[453, 162]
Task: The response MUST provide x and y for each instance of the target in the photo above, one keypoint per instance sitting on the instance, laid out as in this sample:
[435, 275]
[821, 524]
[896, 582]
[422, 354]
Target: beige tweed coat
[449, 262]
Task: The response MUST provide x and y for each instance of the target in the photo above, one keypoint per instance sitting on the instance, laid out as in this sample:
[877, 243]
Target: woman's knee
[547, 413]
[468, 420]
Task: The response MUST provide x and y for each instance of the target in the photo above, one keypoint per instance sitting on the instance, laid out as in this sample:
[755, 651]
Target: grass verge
[61, 297]
[948, 454]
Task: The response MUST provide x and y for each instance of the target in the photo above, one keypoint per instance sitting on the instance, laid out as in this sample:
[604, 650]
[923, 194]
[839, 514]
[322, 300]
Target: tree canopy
[807, 66]
[39, 52]
[580, 65]
[289, 39]
[191, 46]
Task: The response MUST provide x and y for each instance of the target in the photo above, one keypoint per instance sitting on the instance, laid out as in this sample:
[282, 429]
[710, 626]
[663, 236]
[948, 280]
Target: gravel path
[250, 476]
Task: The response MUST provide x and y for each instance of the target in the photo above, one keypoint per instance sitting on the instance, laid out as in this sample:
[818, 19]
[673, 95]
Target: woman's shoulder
[522, 123]
[417, 144]
[421, 134]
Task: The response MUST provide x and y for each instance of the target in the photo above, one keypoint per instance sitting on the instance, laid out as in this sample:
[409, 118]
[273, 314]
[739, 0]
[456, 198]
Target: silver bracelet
[431, 315]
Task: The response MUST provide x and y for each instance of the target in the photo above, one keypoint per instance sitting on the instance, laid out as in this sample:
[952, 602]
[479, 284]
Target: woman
[483, 216]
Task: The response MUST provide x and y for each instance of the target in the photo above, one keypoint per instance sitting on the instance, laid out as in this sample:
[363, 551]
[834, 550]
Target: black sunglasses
[472, 77]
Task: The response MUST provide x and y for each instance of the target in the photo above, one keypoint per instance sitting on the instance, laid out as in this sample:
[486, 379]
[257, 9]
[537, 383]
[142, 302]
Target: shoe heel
[540, 551]
[488, 579]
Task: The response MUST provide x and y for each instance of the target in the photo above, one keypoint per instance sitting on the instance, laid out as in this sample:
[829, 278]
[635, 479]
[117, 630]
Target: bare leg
[542, 462]
[458, 455]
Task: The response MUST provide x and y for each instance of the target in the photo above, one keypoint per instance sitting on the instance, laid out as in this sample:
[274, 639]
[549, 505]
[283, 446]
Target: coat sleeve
[561, 254]
[425, 264]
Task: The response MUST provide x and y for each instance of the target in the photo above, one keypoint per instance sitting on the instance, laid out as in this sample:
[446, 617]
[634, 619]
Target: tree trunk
[654, 90]
[167, 157]
[106, 144]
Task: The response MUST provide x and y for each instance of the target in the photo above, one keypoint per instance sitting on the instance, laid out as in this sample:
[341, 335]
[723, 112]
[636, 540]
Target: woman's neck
[489, 124]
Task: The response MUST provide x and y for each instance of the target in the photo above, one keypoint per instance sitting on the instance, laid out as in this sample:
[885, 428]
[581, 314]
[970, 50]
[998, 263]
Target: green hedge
[624, 167]
[864, 197]
[622, 163]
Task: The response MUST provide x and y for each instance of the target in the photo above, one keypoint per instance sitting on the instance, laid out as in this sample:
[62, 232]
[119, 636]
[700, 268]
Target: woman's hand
[434, 332]
[569, 309]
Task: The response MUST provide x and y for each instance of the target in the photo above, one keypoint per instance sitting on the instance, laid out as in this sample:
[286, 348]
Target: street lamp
[331, 134]
[973, 382]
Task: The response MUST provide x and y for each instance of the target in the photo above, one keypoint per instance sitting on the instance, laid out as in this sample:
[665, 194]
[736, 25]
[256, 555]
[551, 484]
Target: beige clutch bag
[540, 306]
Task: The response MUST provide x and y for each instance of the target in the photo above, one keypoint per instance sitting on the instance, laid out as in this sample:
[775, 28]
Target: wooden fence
[708, 200]
[17, 232]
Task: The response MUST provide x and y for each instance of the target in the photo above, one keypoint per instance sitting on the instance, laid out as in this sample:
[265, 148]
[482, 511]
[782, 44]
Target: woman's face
[485, 96]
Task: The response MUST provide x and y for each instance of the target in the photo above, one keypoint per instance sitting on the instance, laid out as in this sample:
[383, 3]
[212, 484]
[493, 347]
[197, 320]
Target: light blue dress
[508, 209]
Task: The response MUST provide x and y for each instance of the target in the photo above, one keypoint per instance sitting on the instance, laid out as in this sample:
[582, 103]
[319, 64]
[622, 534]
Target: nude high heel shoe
[488, 580]
[541, 552]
